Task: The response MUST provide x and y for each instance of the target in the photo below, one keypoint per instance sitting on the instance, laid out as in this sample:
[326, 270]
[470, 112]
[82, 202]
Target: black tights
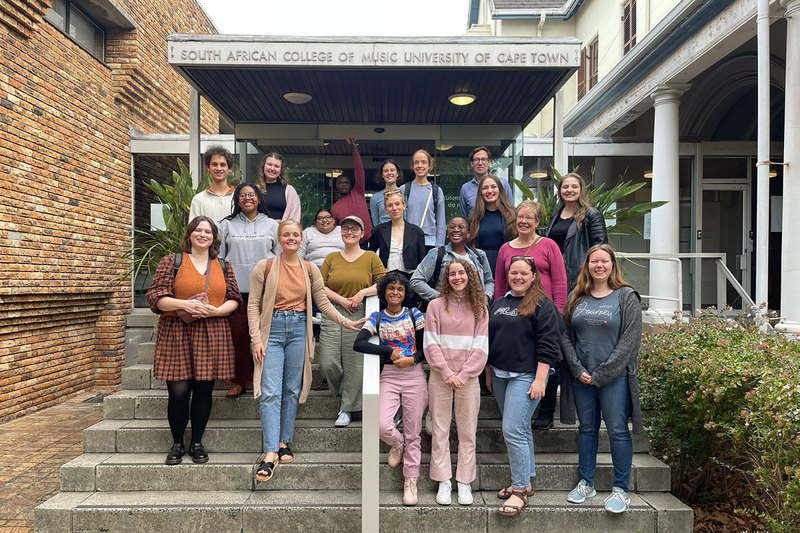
[178, 407]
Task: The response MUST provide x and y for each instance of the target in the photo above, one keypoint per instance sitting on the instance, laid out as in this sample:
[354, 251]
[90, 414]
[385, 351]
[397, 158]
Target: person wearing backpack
[400, 331]
[426, 280]
[425, 201]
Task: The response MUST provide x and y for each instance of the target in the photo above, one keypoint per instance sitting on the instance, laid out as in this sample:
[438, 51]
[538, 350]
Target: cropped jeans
[516, 408]
[282, 377]
[614, 402]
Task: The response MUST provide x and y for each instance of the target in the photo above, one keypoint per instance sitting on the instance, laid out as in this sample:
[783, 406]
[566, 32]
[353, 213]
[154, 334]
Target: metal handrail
[723, 275]
[370, 443]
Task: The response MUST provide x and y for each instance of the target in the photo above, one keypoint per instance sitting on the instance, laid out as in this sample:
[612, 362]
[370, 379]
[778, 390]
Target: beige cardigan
[261, 305]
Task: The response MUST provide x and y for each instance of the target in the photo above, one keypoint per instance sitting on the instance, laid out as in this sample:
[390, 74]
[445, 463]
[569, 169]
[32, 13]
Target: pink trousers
[406, 387]
[467, 401]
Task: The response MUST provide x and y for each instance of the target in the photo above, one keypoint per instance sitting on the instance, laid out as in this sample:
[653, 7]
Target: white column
[194, 136]
[790, 252]
[559, 148]
[664, 225]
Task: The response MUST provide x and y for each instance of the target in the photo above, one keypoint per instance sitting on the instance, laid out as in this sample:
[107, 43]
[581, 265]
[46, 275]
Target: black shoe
[543, 424]
[198, 453]
[175, 455]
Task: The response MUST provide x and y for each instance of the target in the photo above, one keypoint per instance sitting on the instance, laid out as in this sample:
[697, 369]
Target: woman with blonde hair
[456, 347]
[282, 289]
[282, 201]
[493, 221]
[601, 344]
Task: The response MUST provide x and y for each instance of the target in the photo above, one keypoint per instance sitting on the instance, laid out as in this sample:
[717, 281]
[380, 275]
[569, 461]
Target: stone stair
[121, 483]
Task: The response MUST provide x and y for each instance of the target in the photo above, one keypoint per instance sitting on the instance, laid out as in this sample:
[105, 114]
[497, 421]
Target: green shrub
[722, 401]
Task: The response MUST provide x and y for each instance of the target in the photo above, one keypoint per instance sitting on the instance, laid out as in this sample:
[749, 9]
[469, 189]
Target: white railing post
[370, 444]
[722, 286]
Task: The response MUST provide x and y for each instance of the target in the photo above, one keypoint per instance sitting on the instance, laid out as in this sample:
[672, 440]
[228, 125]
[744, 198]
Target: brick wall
[66, 192]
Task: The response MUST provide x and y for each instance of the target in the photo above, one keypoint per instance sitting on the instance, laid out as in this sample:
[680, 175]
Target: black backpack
[179, 260]
[438, 268]
[435, 199]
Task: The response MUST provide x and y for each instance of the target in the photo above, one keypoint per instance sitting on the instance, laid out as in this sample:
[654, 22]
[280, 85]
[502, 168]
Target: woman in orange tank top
[191, 355]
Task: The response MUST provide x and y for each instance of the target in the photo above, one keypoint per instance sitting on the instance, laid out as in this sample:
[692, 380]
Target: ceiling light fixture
[461, 98]
[298, 98]
[648, 175]
[773, 173]
[538, 175]
[444, 147]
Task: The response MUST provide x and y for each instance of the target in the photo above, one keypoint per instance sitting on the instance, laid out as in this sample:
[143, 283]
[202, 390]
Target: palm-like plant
[602, 199]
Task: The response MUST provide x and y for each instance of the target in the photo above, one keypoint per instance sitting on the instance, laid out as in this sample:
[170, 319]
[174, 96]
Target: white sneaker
[343, 421]
[444, 496]
[464, 493]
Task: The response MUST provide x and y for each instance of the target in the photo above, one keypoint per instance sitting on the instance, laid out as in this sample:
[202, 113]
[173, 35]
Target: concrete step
[152, 404]
[338, 511]
[328, 471]
[311, 435]
[140, 376]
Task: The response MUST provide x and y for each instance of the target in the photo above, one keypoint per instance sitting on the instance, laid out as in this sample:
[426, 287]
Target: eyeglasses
[480, 159]
[324, 217]
[527, 218]
[350, 229]
[247, 196]
[387, 194]
[525, 258]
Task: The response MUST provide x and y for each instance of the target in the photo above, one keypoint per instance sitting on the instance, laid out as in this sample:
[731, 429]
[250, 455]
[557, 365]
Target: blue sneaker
[580, 493]
[618, 501]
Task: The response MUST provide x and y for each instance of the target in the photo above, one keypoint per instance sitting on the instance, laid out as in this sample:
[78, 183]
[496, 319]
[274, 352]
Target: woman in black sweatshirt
[524, 343]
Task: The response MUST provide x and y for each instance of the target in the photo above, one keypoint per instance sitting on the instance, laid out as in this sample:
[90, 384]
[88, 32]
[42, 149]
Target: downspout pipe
[763, 163]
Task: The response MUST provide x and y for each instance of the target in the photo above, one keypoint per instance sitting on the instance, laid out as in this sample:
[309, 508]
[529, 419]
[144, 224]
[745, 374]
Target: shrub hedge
[722, 400]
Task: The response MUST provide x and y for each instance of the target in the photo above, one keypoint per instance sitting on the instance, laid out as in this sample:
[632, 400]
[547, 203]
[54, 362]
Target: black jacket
[413, 244]
[579, 241]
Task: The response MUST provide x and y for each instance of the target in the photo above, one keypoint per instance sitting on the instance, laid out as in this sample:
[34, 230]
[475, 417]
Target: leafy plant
[604, 200]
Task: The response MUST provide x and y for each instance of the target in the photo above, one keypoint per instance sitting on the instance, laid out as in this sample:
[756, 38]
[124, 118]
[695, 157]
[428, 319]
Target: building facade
[76, 78]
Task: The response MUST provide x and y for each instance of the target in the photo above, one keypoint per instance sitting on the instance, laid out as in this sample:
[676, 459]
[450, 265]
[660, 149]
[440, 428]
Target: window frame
[628, 25]
[587, 72]
[69, 4]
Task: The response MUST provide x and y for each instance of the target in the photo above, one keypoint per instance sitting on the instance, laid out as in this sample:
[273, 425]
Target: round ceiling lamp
[444, 147]
[461, 98]
[648, 175]
[298, 98]
[538, 175]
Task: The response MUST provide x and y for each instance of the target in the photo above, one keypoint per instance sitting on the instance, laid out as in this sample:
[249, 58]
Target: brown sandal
[513, 510]
[505, 493]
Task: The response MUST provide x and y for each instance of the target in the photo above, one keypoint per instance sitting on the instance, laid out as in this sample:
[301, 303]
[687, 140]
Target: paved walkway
[32, 449]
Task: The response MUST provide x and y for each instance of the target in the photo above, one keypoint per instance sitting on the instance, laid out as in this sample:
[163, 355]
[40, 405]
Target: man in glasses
[216, 202]
[480, 159]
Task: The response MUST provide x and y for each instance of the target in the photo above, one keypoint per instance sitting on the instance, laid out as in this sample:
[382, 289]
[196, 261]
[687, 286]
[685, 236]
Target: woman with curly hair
[282, 200]
[456, 347]
[403, 383]
[601, 344]
[524, 343]
[493, 221]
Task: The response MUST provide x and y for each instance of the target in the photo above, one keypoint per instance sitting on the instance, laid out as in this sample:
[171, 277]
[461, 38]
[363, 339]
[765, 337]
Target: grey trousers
[341, 366]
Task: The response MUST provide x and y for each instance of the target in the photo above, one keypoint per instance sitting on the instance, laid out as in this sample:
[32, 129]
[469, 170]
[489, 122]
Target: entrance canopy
[375, 80]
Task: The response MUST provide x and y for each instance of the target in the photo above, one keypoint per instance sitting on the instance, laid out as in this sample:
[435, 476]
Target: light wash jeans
[614, 401]
[516, 408]
[282, 377]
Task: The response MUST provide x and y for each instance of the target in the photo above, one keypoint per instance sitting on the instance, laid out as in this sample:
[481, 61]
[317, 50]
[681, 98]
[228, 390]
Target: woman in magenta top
[351, 200]
[545, 252]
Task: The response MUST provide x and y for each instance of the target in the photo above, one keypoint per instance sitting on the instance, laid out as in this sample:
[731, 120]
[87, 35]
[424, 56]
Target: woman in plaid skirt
[191, 355]
[282, 289]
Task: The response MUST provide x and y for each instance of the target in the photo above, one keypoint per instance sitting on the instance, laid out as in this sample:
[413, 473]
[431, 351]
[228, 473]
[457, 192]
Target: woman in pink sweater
[456, 346]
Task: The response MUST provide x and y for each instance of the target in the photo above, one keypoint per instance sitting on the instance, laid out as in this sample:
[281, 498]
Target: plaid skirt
[201, 350]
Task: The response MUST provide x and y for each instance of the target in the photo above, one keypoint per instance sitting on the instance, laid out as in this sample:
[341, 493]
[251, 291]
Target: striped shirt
[455, 343]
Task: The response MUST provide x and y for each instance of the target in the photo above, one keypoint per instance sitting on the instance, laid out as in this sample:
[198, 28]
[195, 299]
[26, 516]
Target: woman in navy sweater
[524, 343]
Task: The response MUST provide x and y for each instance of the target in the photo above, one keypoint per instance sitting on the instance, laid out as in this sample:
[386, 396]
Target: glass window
[58, 13]
[68, 17]
[88, 34]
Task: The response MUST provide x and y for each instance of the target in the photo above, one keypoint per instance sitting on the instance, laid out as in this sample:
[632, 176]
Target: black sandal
[265, 471]
[285, 455]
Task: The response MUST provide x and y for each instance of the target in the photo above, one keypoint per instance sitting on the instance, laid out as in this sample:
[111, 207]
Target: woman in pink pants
[456, 346]
[403, 382]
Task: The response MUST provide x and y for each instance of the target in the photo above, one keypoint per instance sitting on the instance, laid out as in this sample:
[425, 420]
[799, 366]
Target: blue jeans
[614, 401]
[516, 408]
[282, 377]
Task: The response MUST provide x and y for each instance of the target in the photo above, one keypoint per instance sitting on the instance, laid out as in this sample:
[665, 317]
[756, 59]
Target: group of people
[497, 307]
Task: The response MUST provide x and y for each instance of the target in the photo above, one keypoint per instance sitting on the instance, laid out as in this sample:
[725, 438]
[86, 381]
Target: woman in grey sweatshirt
[247, 236]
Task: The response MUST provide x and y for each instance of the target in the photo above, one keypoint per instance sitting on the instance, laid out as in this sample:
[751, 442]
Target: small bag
[202, 296]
